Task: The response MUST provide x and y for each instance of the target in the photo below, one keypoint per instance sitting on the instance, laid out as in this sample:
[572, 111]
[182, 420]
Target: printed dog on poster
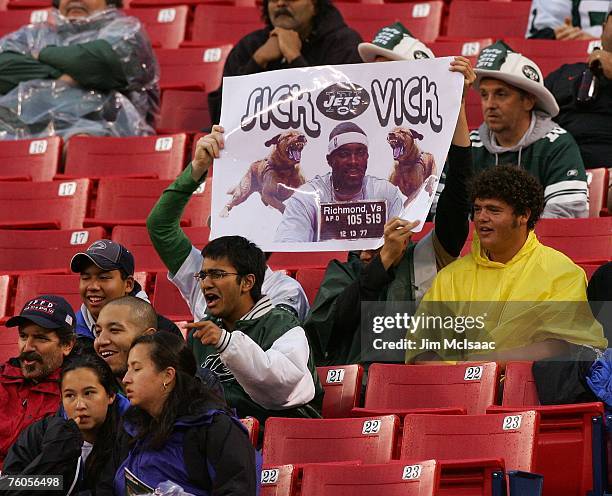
[275, 177]
[412, 167]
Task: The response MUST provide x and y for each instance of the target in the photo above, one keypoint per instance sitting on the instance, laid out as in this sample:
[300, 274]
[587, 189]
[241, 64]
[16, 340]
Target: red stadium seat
[252, 425]
[43, 205]
[551, 54]
[310, 280]
[8, 343]
[473, 109]
[583, 240]
[589, 269]
[192, 68]
[422, 19]
[475, 19]
[29, 4]
[159, 157]
[279, 480]
[184, 111]
[168, 301]
[598, 180]
[289, 440]
[569, 435]
[391, 479]
[129, 201]
[224, 23]
[30, 160]
[43, 252]
[342, 385]
[297, 261]
[406, 387]
[165, 26]
[137, 240]
[5, 294]
[468, 48]
[12, 20]
[167, 3]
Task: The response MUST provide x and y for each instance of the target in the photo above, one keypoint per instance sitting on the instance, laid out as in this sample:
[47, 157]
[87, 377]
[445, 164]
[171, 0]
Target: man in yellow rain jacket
[511, 298]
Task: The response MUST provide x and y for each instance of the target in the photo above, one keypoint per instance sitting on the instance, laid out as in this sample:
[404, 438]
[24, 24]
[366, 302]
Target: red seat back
[9, 338]
[30, 160]
[43, 251]
[185, 111]
[470, 386]
[519, 385]
[468, 48]
[310, 280]
[53, 204]
[598, 181]
[279, 480]
[474, 19]
[63, 285]
[165, 26]
[298, 260]
[225, 23]
[5, 294]
[12, 20]
[168, 301]
[159, 157]
[391, 479]
[512, 437]
[290, 440]
[342, 385]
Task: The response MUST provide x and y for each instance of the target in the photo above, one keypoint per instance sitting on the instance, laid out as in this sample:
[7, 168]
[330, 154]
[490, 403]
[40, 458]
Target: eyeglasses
[213, 274]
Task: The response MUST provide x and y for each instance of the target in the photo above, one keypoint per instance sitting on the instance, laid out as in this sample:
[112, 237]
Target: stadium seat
[165, 26]
[279, 480]
[184, 111]
[192, 68]
[8, 343]
[137, 240]
[43, 205]
[570, 437]
[310, 280]
[589, 269]
[224, 23]
[252, 425]
[29, 4]
[391, 479]
[476, 19]
[473, 109]
[129, 201]
[598, 180]
[342, 386]
[168, 301]
[296, 261]
[30, 160]
[159, 157]
[12, 20]
[422, 19]
[43, 252]
[551, 54]
[299, 441]
[190, 3]
[468, 48]
[5, 294]
[472, 386]
[583, 240]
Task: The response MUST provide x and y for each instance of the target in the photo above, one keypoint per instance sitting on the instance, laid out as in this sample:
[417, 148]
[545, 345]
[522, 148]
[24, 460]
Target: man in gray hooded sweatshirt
[518, 130]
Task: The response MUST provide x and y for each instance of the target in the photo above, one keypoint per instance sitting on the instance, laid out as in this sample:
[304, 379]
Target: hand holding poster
[320, 158]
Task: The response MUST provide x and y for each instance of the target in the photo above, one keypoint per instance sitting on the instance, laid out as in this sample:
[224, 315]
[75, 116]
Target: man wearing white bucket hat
[518, 130]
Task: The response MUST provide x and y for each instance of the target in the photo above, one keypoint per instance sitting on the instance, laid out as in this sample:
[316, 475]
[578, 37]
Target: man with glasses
[259, 352]
[347, 156]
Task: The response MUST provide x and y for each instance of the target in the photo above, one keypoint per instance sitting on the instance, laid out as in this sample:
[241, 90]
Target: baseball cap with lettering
[48, 311]
[105, 254]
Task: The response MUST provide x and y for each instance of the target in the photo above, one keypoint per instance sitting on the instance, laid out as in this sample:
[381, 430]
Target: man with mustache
[298, 33]
[28, 383]
[88, 69]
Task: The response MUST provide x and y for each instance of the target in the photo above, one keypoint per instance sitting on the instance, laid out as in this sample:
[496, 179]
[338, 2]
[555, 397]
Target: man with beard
[29, 388]
[298, 33]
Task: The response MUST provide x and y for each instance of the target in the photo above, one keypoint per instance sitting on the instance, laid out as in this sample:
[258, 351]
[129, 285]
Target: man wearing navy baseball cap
[107, 273]
[29, 387]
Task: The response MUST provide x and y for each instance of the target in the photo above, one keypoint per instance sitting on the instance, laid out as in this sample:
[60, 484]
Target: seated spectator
[89, 69]
[107, 273]
[183, 259]
[298, 33]
[119, 323]
[178, 430]
[548, 312]
[567, 19]
[518, 129]
[28, 383]
[259, 352]
[599, 293]
[399, 271]
[588, 117]
[77, 442]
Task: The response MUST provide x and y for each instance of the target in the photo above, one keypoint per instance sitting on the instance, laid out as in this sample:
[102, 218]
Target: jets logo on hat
[531, 73]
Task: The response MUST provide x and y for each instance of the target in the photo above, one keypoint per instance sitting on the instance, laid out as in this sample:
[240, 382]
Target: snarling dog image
[275, 177]
[412, 167]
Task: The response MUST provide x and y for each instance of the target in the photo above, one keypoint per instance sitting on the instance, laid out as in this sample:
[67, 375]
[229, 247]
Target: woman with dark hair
[180, 431]
[78, 441]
